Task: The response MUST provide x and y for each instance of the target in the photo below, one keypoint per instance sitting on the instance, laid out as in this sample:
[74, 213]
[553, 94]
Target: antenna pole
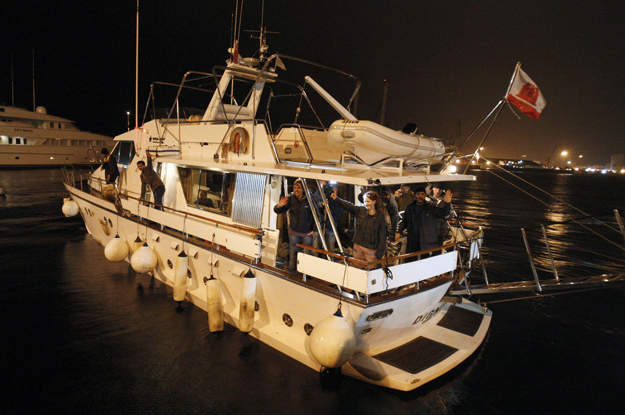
[12, 82]
[137, 77]
[34, 106]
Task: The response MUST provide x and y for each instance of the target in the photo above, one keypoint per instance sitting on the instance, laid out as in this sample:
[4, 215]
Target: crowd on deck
[383, 223]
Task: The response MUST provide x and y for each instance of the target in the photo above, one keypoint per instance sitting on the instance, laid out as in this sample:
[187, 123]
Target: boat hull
[288, 307]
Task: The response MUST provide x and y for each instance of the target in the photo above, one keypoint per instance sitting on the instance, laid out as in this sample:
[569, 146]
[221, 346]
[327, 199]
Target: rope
[537, 296]
[558, 199]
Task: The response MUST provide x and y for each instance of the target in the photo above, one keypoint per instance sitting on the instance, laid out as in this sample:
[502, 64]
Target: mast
[34, 106]
[12, 83]
[137, 78]
[383, 110]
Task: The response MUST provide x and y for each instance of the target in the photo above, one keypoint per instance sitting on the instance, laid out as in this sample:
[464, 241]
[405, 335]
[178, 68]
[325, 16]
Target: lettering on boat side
[425, 317]
[380, 314]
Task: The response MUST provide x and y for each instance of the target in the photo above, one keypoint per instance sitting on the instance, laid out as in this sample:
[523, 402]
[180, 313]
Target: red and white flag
[525, 95]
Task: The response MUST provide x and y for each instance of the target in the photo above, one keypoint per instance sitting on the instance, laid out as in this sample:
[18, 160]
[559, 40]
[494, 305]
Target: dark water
[83, 335]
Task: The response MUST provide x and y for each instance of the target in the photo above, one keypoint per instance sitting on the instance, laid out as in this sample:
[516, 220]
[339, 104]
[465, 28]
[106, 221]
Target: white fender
[116, 249]
[332, 341]
[248, 302]
[215, 306]
[70, 208]
[180, 277]
[143, 260]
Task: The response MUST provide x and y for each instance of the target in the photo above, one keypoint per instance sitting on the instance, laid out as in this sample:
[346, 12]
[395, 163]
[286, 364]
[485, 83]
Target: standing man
[438, 198]
[300, 220]
[109, 166]
[149, 177]
[420, 221]
[405, 197]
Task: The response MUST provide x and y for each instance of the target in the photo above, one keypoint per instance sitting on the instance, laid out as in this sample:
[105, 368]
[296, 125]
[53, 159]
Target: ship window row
[52, 142]
[208, 190]
[38, 124]
[13, 140]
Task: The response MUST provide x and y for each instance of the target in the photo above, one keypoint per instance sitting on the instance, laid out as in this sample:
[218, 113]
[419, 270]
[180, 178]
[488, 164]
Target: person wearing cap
[404, 197]
[300, 221]
[391, 209]
[109, 166]
[420, 221]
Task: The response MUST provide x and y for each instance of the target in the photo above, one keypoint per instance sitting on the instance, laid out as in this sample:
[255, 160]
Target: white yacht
[393, 322]
[36, 139]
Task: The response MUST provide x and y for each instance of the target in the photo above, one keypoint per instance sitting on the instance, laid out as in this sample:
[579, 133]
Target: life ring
[239, 140]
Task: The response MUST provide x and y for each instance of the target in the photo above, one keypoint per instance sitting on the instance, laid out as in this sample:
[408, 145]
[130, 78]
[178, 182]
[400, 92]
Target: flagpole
[500, 105]
[516, 71]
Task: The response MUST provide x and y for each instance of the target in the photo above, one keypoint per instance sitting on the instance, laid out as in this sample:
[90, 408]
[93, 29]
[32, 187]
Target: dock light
[622, 171]
[564, 153]
[604, 171]
[568, 162]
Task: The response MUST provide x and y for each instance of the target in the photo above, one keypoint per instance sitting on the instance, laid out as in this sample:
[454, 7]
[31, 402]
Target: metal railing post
[330, 217]
[529, 253]
[620, 222]
[313, 210]
[553, 263]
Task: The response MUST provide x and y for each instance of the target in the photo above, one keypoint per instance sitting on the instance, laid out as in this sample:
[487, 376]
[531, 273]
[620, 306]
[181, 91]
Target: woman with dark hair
[370, 237]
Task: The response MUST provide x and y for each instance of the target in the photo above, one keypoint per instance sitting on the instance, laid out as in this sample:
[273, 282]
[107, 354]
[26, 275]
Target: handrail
[253, 231]
[379, 261]
[219, 223]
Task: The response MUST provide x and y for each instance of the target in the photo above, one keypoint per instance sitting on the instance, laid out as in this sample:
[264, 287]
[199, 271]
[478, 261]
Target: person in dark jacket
[111, 172]
[370, 237]
[420, 222]
[300, 221]
[150, 178]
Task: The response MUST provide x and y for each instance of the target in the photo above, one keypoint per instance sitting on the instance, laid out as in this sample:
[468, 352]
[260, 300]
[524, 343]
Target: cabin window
[75, 142]
[10, 140]
[124, 152]
[18, 141]
[208, 190]
[51, 125]
[25, 140]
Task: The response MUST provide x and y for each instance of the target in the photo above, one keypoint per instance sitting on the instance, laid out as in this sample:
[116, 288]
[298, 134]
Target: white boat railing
[375, 277]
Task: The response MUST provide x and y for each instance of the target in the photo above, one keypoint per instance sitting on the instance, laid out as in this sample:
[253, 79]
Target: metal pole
[313, 210]
[553, 263]
[529, 253]
[327, 207]
[620, 222]
[479, 250]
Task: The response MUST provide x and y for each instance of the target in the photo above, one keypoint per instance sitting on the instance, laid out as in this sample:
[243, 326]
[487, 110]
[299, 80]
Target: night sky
[445, 61]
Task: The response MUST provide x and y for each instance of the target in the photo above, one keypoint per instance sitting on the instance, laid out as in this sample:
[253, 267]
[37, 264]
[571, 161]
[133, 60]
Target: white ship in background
[37, 139]
[393, 323]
